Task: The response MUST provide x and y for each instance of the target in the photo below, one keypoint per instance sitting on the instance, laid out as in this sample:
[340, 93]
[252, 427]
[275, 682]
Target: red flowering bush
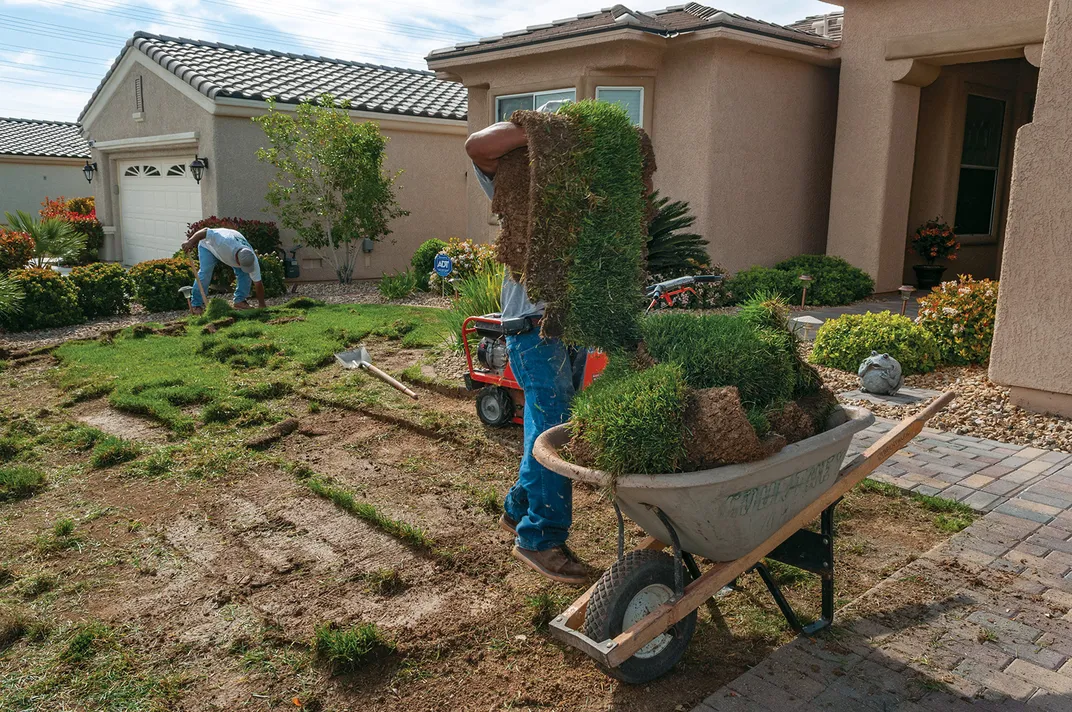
[263, 235]
[81, 215]
[934, 239]
[16, 249]
[960, 315]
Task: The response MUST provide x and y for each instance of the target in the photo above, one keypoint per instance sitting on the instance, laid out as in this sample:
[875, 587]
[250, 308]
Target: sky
[53, 53]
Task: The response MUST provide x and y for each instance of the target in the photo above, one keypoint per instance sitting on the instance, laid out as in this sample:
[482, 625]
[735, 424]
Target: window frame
[534, 95]
[620, 87]
[1001, 187]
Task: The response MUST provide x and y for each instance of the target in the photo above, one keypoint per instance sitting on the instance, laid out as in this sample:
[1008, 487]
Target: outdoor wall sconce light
[197, 167]
[805, 279]
[906, 294]
[88, 170]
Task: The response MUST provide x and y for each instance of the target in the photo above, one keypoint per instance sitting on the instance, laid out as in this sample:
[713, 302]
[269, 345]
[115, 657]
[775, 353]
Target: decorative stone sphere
[880, 374]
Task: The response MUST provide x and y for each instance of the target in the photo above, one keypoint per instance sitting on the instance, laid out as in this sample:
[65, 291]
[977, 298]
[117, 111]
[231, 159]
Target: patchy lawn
[152, 561]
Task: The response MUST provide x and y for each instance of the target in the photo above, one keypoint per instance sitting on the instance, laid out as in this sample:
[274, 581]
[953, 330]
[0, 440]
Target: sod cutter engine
[500, 399]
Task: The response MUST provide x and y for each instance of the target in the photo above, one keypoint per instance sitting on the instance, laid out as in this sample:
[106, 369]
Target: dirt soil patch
[219, 582]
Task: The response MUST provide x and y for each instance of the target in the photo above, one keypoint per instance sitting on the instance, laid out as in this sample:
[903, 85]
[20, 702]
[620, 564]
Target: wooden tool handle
[388, 380]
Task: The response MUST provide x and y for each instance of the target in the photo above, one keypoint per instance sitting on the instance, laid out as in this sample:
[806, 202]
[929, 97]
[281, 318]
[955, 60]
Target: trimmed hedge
[844, 343]
[717, 350]
[836, 282]
[423, 260]
[263, 235]
[50, 300]
[16, 249]
[104, 289]
[157, 282]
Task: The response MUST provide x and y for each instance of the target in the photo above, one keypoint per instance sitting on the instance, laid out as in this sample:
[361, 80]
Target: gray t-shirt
[515, 300]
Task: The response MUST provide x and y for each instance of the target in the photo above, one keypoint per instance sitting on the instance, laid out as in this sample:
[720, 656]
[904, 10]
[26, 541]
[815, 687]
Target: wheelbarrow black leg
[827, 574]
[679, 576]
[690, 564]
[776, 593]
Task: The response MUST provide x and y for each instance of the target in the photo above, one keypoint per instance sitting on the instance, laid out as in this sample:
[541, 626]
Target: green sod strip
[414, 536]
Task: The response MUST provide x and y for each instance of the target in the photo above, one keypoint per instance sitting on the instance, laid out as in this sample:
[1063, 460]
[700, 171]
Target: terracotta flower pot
[928, 276]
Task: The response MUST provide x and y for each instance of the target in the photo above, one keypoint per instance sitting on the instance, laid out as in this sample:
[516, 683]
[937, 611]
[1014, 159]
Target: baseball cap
[247, 260]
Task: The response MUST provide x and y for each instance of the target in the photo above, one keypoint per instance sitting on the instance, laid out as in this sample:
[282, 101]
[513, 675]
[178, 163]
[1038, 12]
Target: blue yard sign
[443, 265]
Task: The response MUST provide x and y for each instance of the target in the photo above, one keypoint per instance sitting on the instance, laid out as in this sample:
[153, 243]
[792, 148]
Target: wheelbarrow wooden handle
[388, 379]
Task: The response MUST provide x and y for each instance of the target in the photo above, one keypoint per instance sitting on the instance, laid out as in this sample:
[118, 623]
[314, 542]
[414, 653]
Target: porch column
[878, 110]
[1032, 352]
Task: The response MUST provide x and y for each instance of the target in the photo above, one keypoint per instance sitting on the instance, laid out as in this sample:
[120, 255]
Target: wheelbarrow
[638, 618]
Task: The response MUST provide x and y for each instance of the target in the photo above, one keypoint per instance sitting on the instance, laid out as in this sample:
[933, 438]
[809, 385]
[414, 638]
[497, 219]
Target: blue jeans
[207, 260]
[541, 501]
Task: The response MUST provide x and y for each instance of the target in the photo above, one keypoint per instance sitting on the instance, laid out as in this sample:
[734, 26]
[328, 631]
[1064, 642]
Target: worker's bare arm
[191, 244]
[259, 289]
[487, 146]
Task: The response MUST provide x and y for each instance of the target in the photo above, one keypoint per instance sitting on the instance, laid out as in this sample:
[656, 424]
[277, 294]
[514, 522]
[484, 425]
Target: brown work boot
[197, 311]
[558, 564]
[507, 523]
[242, 305]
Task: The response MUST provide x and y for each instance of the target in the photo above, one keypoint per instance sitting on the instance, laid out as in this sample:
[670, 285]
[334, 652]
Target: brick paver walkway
[982, 622]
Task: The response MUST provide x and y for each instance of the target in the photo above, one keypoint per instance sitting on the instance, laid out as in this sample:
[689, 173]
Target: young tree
[330, 185]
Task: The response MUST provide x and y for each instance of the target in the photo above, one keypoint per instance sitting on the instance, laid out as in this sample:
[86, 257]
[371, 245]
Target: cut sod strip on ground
[227, 374]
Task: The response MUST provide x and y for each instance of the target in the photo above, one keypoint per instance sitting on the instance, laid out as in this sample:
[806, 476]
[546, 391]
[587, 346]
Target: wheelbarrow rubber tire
[494, 406]
[648, 577]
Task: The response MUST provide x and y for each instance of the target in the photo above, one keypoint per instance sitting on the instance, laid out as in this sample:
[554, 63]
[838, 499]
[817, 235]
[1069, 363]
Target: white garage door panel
[159, 198]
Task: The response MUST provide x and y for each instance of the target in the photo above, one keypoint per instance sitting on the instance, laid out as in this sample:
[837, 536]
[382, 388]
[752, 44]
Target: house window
[984, 125]
[629, 98]
[507, 105]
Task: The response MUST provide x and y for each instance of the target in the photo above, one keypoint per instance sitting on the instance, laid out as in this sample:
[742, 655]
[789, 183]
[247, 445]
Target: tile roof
[830, 28]
[220, 70]
[32, 137]
[666, 23]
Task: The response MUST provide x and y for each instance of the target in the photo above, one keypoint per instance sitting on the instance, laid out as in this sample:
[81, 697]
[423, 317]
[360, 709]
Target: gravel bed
[330, 292]
[981, 409]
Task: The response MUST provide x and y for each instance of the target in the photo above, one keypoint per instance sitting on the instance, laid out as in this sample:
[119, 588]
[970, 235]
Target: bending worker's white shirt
[225, 243]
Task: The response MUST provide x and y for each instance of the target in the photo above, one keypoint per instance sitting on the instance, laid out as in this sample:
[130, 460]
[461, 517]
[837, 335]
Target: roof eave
[443, 63]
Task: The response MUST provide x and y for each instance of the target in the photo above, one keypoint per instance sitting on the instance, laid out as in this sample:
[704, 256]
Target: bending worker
[221, 244]
[538, 510]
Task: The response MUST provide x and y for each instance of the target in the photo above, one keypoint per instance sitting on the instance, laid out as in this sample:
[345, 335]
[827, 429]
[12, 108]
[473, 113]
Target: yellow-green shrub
[960, 316]
[157, 283]
[843, 343]
[50, 300]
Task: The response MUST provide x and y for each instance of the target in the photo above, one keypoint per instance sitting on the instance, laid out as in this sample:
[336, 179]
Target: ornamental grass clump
[960, 315]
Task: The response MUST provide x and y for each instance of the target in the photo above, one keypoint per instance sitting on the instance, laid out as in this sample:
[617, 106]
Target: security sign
[443, 265]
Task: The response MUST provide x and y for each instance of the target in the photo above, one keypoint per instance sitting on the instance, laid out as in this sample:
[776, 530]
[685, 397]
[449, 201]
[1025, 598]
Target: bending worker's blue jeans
[207, 260]
[541, 501]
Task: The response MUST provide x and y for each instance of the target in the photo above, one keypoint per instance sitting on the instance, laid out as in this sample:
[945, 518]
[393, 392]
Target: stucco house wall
[745, 137]
[432, 156]
[890, 50]
[26, 181]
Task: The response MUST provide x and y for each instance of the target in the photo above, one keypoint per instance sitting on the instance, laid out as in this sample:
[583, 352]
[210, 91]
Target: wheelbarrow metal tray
[725, 512]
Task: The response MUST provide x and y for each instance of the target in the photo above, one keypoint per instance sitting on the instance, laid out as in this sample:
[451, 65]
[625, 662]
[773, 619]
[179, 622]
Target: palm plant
[672, 252]
[53, 238]
[11, 296]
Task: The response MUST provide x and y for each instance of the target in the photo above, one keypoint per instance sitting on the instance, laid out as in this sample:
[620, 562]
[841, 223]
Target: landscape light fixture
[88, 170]
[197, 167]
[805, 279]
[906, 294]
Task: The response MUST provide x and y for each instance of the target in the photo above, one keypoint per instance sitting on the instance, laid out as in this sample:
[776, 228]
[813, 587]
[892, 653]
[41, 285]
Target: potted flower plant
[932, 240]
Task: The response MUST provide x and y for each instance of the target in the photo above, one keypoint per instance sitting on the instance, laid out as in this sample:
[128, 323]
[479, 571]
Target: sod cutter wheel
[637, 619]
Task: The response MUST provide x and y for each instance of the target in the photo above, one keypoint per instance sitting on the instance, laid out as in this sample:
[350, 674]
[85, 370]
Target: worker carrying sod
[232, 249]
[539, 255]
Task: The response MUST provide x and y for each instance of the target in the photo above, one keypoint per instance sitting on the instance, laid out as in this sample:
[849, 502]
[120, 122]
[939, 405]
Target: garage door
[158, 199]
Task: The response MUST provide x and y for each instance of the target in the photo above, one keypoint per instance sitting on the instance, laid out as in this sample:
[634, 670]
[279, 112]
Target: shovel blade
[356, 358]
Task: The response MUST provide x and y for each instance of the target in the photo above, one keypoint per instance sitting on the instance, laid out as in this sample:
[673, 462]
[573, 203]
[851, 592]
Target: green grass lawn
[230, 375]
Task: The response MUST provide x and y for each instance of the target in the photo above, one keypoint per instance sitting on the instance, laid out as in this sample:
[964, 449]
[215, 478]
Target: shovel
[359, 358]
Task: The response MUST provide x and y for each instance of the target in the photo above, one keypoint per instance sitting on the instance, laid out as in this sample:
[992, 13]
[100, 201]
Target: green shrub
[271, 275]
[345, 649]
[836, 281]
[477, 294]
[843, 343]
[423, 260]
[632, 421]
[49, 300]
[718, 350]
[764, 279]
[103, 289]
[398, 286]
[468, 258]
[960, 315]
[157, 282]
[262, 235]
[672, 251]
[19, 481]
[16, 249]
